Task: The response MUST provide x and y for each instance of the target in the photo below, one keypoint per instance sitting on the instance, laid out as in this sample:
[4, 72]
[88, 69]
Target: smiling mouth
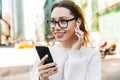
[59, 35]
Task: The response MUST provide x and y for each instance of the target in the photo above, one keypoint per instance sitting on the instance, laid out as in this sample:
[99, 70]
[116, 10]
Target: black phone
[42, 51]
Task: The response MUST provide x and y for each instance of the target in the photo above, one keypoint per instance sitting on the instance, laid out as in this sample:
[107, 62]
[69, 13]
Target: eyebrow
[62, 17]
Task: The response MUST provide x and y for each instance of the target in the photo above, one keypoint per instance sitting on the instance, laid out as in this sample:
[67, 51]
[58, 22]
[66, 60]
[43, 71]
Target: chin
[61, 40]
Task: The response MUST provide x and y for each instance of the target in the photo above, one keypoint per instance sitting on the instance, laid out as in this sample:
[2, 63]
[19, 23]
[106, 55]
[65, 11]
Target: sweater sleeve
[34, 73]
[94, 67]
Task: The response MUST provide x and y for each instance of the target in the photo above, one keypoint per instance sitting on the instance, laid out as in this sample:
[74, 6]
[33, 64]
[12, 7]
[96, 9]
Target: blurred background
[23, 25]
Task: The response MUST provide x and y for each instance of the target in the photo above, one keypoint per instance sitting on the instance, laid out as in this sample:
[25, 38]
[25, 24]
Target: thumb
[43, 60]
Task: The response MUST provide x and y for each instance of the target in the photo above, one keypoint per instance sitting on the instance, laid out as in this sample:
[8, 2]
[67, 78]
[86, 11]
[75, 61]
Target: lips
[59, 34]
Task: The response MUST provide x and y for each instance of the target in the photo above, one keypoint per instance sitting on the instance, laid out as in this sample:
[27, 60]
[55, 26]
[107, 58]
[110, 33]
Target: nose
[57, 26]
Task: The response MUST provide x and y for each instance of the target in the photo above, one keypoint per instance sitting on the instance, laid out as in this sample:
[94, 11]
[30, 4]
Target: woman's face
[63, 34]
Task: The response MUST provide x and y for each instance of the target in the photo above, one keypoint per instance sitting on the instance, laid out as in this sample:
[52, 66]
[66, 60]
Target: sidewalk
[16, 64]
[15, 73]
[116, 56]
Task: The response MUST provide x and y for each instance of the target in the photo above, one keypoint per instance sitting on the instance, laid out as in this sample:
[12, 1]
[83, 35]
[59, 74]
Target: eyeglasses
[61, 23]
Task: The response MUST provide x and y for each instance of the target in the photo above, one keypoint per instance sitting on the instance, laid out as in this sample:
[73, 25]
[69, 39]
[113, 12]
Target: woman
[72, 59]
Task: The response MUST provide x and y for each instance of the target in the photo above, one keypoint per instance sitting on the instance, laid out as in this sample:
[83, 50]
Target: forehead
[60, 12]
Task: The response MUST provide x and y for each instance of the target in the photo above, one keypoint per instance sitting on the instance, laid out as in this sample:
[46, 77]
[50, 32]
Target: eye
[52, 22]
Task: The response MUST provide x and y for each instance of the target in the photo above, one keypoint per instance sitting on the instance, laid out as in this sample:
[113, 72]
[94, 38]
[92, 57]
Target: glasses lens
[63, 23]
[51, 23]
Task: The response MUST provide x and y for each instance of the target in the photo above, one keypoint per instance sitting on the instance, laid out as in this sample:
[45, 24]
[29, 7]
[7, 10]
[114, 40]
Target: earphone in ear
[78, 26]
[78, 23]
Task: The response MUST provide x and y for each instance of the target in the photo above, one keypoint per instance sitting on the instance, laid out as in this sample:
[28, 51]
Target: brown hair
[77, 13]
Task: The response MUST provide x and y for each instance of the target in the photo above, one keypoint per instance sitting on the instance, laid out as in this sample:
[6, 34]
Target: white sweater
[83, 64]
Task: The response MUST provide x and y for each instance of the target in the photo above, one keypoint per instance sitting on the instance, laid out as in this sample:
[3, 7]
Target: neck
[66, 44]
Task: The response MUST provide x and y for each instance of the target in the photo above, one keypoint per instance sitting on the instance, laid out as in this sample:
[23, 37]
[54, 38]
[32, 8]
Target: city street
[111, 68]
[27, 23]
[15, 73]
[16, 64]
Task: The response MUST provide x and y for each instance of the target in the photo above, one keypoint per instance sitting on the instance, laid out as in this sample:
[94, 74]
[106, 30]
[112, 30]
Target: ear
[79, 21]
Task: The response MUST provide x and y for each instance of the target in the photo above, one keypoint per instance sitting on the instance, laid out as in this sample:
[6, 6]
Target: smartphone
[42, 51]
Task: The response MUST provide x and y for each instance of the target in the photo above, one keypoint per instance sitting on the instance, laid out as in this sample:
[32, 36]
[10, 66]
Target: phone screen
[42, 51]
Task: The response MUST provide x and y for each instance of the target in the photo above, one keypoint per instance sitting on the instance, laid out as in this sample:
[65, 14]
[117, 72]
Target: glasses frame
[58, 22]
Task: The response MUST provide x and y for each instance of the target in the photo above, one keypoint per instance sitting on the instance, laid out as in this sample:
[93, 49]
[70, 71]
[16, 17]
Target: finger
[51, 73]
[78, 30]
[46, 66]
[42, 61]
[80, 38]
[79, 33]
[46, 71]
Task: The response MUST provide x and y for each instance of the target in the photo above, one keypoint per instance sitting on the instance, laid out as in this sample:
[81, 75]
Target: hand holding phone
[45, 69]
[42, 51]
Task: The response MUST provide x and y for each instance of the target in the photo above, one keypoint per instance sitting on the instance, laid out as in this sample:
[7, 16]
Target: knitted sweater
[83, 64]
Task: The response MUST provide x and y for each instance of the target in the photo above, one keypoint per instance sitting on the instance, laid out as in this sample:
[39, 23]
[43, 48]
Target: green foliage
[110, 10]
[47, 10]
[117, 9]
[95, 23]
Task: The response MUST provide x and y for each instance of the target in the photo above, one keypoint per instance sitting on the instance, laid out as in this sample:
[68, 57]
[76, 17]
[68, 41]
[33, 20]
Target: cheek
[71, 26]
[70, 31]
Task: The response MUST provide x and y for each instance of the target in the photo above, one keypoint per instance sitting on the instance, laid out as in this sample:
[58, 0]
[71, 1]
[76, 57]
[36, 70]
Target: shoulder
[89, 51]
